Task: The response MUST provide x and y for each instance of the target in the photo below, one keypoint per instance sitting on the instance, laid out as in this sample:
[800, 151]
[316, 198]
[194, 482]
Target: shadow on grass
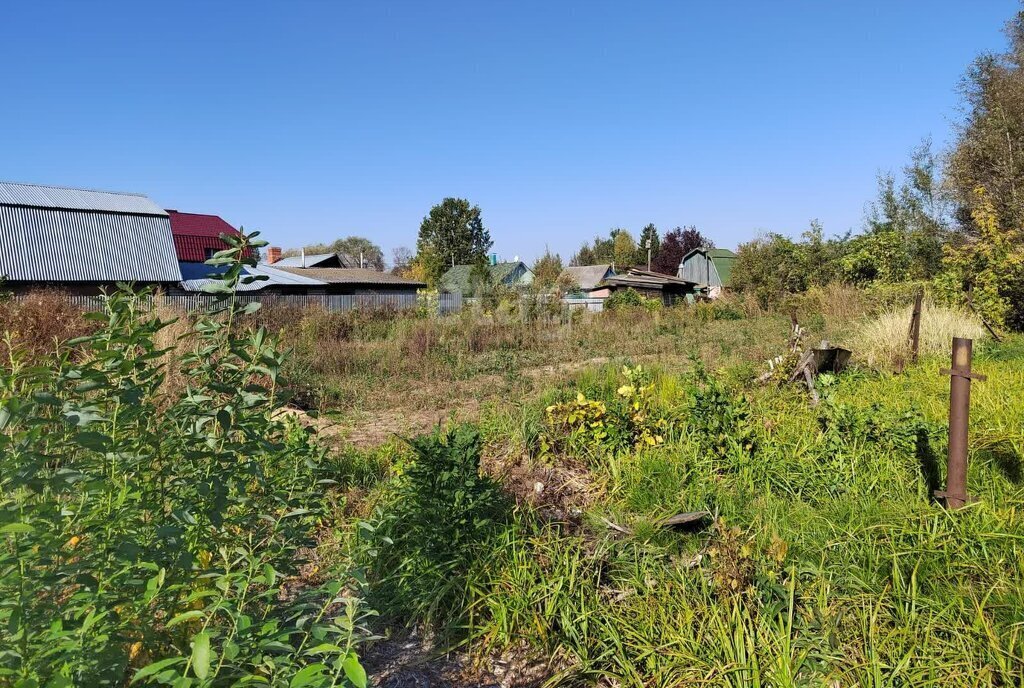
[1007, 459]
[930, 467]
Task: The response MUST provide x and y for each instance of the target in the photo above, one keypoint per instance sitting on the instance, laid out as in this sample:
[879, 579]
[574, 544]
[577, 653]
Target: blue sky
[313, 120]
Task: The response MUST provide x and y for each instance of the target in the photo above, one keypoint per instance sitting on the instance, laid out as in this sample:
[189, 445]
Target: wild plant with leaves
[161, 536]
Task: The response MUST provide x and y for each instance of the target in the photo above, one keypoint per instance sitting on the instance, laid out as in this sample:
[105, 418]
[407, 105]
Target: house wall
[521, 276]
[698, 268]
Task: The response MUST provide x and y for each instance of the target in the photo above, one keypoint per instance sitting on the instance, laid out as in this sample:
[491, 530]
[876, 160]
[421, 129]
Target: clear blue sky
[313, 120]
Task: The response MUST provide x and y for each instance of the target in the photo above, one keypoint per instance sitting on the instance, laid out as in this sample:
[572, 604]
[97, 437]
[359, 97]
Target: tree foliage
[987, 271]
[453, 233]
[546, 270]
[352, 246]
[650, 241]
[625, 252]
[770, 267]
[674, 246]
[401, 260]
[989, 151]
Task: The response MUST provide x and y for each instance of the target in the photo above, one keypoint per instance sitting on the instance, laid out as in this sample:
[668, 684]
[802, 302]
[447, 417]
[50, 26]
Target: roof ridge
[76, 188]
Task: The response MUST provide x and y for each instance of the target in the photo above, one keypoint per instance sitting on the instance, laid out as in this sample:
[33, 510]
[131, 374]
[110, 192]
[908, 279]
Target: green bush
[630, 298]
[709, 311]
[161, 535]
[433, 529]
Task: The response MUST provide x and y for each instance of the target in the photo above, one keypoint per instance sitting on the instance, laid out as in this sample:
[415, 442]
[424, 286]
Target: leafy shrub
[624, 299]
[709, 311]
[434, 527]
[631, 420]
[165, 539]
[719, 418]
[579, 422]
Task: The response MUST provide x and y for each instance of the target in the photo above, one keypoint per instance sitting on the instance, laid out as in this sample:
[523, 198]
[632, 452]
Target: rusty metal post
[915, 326]
[959, 414]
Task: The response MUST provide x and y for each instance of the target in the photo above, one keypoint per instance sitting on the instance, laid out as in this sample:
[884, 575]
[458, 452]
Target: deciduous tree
[674, 246]
[546, 270]
[989, 152]
[454, 233]
[352, 246]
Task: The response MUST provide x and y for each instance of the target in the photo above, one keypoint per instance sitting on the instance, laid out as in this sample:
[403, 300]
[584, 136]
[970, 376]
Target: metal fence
[440, 303]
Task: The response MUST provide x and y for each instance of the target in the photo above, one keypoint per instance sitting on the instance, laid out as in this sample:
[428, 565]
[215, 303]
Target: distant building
[653, 285]
[312, 260]
[197, 276]
[197, 236]
[357, 281]
[589, 279]
[82, 240]
[711, 268]
[469, 279]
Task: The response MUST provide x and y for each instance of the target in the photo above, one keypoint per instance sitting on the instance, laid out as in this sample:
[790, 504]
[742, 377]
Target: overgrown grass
[825, 560]
[883, 341]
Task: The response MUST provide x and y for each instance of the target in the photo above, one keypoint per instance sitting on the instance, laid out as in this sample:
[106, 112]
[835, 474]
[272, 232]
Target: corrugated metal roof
[319, 260]
[588, 277]
[352, 276]
[67, 198]
[311, 261]
[459, 278]
[57, 245]
[196, 275]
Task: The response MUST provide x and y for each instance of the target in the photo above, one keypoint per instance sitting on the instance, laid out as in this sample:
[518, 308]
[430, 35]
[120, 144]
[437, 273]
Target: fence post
[959, 415]
[915, 326]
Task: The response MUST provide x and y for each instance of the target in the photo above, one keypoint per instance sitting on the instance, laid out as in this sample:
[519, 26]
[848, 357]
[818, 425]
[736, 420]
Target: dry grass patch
[883, 341]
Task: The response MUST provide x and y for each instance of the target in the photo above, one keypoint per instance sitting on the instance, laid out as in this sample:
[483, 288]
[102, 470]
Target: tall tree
[454, 233]
[601, 251]
[906, 226]
[989, 151]
[625, 252]
[650, 242]
[987, 273]
[675, 245]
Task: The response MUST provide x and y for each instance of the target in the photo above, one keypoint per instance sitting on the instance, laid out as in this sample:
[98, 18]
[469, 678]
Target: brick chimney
[273, 254]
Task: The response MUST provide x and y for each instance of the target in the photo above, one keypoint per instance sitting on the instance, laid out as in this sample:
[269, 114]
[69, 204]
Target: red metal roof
[197, 236]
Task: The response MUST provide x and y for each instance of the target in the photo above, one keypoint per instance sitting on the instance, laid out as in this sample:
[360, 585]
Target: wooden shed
[711, 268]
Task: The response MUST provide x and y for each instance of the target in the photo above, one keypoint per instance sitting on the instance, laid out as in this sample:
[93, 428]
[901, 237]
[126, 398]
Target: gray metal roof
[353, 276]
[587, 277]
[311, 260]
[49, 244]
[66, 198]
[274, 276]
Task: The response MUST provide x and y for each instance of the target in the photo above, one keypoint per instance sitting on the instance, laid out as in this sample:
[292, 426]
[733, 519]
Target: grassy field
[521, 539]
[823, 560]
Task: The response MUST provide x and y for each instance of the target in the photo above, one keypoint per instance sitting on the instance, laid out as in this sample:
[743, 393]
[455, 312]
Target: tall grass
[825, 561]
[883, 340]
